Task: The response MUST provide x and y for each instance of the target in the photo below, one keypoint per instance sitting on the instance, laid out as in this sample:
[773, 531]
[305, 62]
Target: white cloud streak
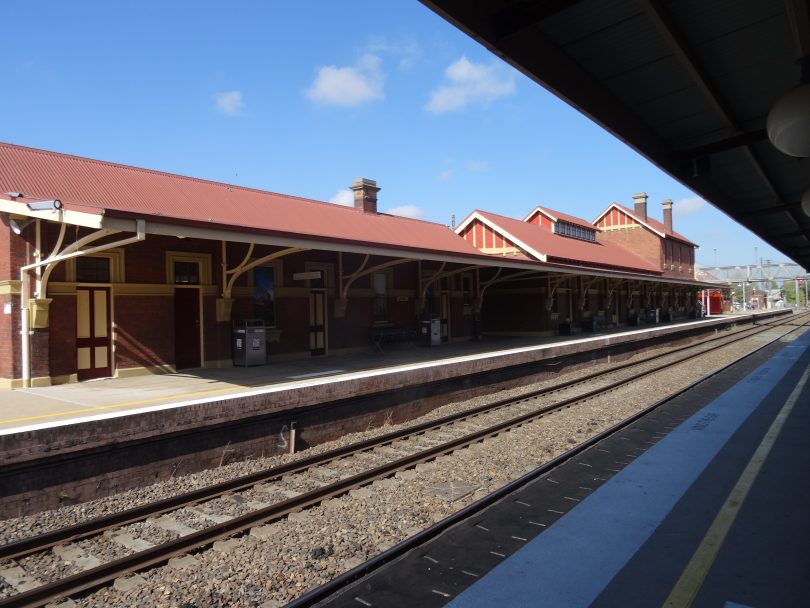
[408, 51]
[343, 197]
[444, 175]
[349, 86]
[688, 206]
[477, 166]
[230, 103]
[411, 211]
[471, 83]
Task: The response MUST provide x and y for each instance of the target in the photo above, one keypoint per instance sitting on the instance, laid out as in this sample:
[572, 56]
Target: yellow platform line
[691, 580]
[179, 396]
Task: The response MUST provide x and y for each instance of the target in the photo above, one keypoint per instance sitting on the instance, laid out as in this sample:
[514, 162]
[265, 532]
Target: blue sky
[303, 97]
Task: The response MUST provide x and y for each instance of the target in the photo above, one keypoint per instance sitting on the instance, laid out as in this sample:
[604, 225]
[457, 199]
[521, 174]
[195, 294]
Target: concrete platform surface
[712, 515]
[31, 408]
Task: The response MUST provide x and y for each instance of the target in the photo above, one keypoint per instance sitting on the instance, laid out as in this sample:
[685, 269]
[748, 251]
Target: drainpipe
[140, 226]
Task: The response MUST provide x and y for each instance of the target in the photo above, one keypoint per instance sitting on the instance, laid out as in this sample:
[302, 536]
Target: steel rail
[160, 554]
[419, 539]
[95, 526]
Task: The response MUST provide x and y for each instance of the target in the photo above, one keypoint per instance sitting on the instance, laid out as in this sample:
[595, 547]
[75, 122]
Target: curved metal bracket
[54, 258]
[243, 268]
[363, 271]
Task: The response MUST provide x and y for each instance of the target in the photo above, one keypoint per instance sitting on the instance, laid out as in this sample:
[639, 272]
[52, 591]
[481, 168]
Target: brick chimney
[640, 205]
[667, 205]
[365, 194]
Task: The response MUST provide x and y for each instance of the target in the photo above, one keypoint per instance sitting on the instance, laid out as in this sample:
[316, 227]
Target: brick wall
[679, 259]
[63, 335]
[144, 327]
[13, 251]
[637, 239]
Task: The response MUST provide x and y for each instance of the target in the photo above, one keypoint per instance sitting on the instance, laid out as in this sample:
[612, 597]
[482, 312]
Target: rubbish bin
[430, 332]
[435, 331]
[565, 329]
[249, 345]
[424, 333]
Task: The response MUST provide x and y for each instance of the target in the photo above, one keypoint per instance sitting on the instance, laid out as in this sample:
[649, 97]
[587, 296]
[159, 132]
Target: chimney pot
[365, 194]
[640, 205]
[667, 205]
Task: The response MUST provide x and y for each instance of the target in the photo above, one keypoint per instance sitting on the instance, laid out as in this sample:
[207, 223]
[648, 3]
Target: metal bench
[389, 334]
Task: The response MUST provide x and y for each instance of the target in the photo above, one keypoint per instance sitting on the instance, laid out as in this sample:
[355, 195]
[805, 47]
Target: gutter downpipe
[140, 227]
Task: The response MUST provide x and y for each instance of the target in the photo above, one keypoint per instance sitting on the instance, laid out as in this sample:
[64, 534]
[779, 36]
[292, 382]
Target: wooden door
[187, 327]
[93, 333]
[317, 322]
[445, 317]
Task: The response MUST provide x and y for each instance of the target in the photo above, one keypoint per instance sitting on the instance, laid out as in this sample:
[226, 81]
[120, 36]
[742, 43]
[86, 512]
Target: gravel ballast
[277, 562]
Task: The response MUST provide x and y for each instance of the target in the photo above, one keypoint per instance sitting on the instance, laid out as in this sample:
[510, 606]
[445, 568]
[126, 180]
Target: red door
[445, 318]
[93, 331]
[187, 327]
[317, 322]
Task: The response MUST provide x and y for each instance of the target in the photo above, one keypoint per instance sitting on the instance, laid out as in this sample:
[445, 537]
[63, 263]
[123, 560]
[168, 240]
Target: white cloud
[343, 197]
[467, 83]
[230, 102]
[444, 175]
[408, 51]
[477, 166]
[406, 211]
[349, 86]
[688, 206]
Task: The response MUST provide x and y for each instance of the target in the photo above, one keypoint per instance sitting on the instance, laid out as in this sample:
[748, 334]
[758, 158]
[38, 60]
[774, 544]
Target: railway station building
[112, 270]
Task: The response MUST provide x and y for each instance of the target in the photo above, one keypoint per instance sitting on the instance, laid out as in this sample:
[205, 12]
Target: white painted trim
[632, 215]
[475, 215]
[66, 216]
[539, 209]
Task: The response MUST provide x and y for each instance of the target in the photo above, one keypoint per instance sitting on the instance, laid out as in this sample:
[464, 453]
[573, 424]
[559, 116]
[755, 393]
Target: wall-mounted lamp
[17, 226]
[52, 205]
[788, 123]
[14, 194]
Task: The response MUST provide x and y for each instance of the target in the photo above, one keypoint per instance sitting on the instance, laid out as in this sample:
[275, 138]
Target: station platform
[694, 507]
[282, 382]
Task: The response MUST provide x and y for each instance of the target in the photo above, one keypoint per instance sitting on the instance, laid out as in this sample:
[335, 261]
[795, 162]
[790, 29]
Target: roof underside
[687, 83]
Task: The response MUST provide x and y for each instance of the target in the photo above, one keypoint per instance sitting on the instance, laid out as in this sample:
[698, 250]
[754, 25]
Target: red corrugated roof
[565, 248]
[655, 224]
[84, 184]
[559, 215]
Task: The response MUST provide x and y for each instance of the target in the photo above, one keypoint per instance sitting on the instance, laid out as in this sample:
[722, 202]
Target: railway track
[321, 596]
[435, 438]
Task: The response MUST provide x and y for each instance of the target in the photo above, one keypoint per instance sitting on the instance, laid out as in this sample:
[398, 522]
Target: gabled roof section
[558, 215]
[115, 190]
[549, 247]
[487, 220]
[650, 223]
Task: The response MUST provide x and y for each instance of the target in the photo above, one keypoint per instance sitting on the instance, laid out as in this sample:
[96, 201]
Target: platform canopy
[687, 83]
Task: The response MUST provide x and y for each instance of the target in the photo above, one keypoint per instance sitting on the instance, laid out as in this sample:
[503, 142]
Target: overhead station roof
[687, 83]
